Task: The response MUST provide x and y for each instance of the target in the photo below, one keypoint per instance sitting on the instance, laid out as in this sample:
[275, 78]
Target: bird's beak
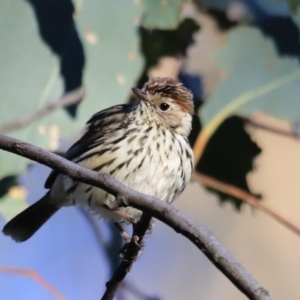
[139, 94]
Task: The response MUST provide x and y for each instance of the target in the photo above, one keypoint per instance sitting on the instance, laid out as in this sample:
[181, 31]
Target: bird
[143, 144]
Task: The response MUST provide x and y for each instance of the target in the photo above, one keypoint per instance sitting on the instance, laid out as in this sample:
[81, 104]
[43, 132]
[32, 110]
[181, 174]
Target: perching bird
[144, 145]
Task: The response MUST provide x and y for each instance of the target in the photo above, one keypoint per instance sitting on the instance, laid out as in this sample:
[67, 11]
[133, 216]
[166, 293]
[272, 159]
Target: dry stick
[163, 211]
[36, 277]
[95, 228]
[69, 98]
[133, 250]
[270, 128]
[136, 292]
[244, 196]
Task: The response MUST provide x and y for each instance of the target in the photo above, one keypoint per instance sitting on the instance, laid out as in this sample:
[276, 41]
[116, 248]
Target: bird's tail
[25, 224]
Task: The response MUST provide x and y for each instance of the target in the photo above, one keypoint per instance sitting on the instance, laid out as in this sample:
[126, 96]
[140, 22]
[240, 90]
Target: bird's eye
[164, 106]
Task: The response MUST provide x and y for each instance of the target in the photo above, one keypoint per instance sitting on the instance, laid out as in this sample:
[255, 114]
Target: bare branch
[246, 197]
[36, 277]
[163, 211]
[95, 229]
[272, 129]
[136, 292]
[131, 254]
[69, 98]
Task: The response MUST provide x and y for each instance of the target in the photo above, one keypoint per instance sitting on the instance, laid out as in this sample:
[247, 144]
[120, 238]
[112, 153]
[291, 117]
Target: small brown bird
[144, 145]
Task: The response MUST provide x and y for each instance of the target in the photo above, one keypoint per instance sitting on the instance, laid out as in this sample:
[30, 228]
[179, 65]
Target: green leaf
[221, 5]
[112, 50]
[293, 4]
[29, 78]
[30, 71]
[256, 79]
[161, 14]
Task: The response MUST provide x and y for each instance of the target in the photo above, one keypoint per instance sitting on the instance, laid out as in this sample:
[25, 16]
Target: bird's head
[168, 103]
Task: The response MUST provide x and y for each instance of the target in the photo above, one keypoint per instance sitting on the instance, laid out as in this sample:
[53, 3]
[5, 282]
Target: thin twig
[246, 197]
[132, 253]
[37, 278]
[121, 272]
[129, 287]
[95, 229]
[69, 98]
[272, 129]
[161, 210]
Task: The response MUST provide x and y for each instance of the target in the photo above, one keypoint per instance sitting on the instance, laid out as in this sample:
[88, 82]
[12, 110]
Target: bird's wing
[102, 122]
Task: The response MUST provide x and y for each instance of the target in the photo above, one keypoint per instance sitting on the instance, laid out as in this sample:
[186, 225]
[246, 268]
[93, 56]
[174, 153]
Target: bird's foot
[125, 254]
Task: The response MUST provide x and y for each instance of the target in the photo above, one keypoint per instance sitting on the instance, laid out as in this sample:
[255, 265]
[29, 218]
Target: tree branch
[128, 258]
[69, 98]
[132, 253]
[246, 197]
[163, 211]
[269, 128]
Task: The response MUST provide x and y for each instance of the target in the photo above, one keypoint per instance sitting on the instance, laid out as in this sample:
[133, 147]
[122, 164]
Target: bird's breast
[148, 159]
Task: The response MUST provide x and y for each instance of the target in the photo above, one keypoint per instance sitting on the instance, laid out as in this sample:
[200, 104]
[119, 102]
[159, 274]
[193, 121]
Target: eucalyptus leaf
[111, 45]
[293, 4]
[256, 78]
[30, 71]
[214, 4]
[161, 14]
[29, 79]
[253, 77]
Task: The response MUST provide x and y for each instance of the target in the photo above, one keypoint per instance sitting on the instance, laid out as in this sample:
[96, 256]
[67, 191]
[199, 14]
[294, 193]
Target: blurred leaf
[29, 71]
[113, 66]
[276, 28]
[13, 202]
[272, 17]
[159, 43]
[6, 183]
[161, 14]
[215, 4]
[229, 154]
[156, 44]
[258, 79]
[293, 4]
[55, 19]
[275, 20]
[112, 47]
[255, 78]
[28, 79]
